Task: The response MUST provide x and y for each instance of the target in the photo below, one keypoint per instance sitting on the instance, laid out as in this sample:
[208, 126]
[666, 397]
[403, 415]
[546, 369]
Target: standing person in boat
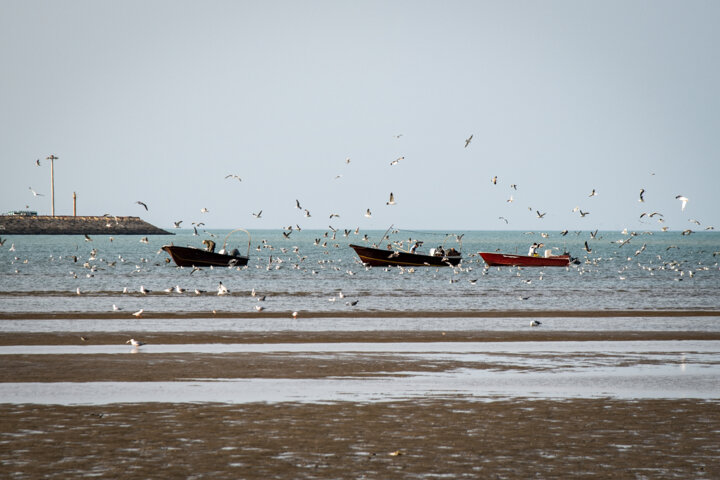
[209, 245]
[533, 250]
[415, 247]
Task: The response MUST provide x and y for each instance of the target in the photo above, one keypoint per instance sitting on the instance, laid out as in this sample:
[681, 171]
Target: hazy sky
[159, 100]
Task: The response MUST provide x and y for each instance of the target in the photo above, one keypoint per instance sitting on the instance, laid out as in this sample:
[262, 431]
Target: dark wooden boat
[378, 257]
[199, 257]
[508, 260]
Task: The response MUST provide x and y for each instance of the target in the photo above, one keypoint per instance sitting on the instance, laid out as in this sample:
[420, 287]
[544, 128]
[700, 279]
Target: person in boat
[209, 245]
[415, 247]
[439, 251]
[452, 252]
[533, 250]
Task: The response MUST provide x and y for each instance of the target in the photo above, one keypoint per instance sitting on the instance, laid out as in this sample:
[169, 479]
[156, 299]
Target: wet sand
[449, 437]
[452, 436]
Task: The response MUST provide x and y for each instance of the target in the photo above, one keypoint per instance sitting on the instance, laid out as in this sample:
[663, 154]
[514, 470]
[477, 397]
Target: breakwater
[72, 225]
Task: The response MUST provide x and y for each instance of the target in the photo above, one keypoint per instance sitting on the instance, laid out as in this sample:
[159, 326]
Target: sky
[158, 101]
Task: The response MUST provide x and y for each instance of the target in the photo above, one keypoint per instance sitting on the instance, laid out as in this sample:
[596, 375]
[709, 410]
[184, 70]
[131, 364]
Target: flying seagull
[468, 140]
[36, 193]
[257, 215]
[684, 201]
[392, 200]
[233, 176]
[37, 162]
[396, 161]
[177, 224]
[142, 203]
[204, 210]
[297, 204]
[540, 215]
[642, 192]
[368, 213]
[592, 194]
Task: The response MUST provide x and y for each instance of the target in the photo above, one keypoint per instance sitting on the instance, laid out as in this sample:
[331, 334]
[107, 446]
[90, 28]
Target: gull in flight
[204, 210]
[233, 176]
[392, 200]
[540, 215]
[142, 203]
[494, 180]
[177, 224]
[642, 192]
[307, 213]
[257, 215]
[468, 140]
[396, 161]
[684, 201]
[36, 193]
[592, 194]
[347, 160]
[582, 214]
[297, 204]
[368, 213]
[135, 343]
[37, 162]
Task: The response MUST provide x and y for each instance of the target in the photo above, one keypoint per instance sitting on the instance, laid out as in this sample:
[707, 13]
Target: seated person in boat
[209, 245]
[533, 250]
[439, 251]
[452, 252]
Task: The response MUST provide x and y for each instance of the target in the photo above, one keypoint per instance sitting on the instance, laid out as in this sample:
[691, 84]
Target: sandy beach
[452, 435]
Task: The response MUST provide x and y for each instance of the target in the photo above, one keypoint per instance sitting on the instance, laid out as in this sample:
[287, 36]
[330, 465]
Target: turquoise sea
[313, 272]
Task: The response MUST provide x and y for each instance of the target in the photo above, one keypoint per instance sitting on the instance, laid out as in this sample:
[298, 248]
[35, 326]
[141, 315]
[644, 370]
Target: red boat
[508, 260]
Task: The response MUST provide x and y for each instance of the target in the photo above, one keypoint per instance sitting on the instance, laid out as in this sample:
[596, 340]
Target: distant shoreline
[76, 225]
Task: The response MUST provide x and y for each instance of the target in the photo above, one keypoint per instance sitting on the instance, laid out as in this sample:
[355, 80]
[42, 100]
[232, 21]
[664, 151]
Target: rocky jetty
[69, 225]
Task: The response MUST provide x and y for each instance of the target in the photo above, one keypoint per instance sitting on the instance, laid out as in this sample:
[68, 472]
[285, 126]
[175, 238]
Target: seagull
[334, 215]
[144, 290]
[592, 194]
[307, 213]
[177, 224]
[513, 186]
[642, 192]
[257, 215]
[233, 176]
[392, 200]
[138, 314]
[204, 210]
[535, 323]
[144, 240]
[684, 201]
[87, 238]
[468, 140]
[582, 214]
[84, 339]
[297, 204]
[587, 248]
[294, 314]
[143, 204]
[37, 162]
[396, 161]
[347, 160]
[368, 213]
[222, 289]
[135, 343]
[36, 193]
[116, 308]
[540, 215]
[503, 218]
[259, 308]
[494, 180]
[510, 200]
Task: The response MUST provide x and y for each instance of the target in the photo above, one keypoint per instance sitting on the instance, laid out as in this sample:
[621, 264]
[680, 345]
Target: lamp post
[52, 159]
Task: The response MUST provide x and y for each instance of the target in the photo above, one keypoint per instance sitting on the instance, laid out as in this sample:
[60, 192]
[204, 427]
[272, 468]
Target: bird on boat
[392, 200]
[135, 343]
[142, 204]
[684, 201]
[36, 193]
[468, 140]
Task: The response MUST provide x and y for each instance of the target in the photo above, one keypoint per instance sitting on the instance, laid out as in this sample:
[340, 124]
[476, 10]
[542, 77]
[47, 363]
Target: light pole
[52, 158]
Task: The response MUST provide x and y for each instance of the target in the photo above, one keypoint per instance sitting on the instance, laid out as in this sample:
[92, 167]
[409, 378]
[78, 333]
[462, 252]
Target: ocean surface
[317, 271]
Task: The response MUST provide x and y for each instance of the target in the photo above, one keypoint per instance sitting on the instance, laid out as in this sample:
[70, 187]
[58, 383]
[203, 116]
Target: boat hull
[379, 257]
[507, 260]
[196, 257]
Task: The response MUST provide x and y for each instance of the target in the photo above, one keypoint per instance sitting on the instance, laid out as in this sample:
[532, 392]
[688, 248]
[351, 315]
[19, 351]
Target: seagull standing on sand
[139, 313]
[135, 343]
[535, 323]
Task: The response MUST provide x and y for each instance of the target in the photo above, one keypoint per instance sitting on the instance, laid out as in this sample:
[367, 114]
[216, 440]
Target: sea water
[313, 272]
